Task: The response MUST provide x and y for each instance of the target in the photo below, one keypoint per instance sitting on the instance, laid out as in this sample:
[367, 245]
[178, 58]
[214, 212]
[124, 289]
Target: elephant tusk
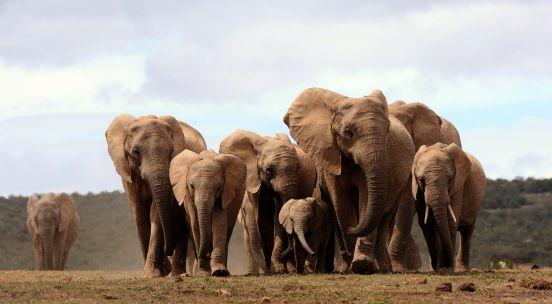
[452, 213]
[426, 214]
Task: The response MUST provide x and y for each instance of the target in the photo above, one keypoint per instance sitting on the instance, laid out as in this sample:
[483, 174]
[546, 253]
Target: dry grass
[128, 287]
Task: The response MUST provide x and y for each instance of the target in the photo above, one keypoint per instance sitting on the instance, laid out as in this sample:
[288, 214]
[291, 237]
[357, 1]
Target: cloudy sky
[67, 68]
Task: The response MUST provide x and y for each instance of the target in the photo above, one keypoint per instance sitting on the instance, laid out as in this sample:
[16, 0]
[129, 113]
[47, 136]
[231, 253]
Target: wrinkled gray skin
[363, 156]
[141, 150]
[310, 227]
[277, 171]
[426, 128]
[211, 188]
[449, 185]
[53, 223]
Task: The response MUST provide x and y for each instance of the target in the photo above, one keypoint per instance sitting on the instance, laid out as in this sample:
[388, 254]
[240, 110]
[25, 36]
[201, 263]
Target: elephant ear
[283, 216]
[176, 134]
[309, 119]
[245, 145]
[67, 209]
[31, 205]
[115, 136]
[415, 185]
[234, 179]
[462, 167]
[178, 174]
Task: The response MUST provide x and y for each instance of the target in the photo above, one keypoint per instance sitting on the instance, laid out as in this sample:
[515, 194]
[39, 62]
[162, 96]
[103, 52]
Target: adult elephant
[53, 223]
[211, 188]
[277, 171]
[426, 128]
[364, 156]
[449, 185]
[141, 149]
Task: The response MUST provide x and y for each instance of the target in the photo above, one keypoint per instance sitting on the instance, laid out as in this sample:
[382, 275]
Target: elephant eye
[348, 133]
[269, 171]
[135, 151]
[192, 187]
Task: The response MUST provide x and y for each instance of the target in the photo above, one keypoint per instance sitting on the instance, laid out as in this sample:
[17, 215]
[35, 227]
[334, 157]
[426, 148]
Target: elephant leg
[430, 235]
[463, 257]
[190, 257]
[252, 267]
[382, 255]
[403, 251]
[280, 244]
[157, 264]
[364, 258]
[219, 235]
[59, 245]
[39, 256]
[180, 254]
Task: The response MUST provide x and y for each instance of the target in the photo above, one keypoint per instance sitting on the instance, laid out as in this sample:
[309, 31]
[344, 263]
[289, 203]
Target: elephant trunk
[440, 213]
[289, 189]
[371, 155]
[204, 214]
[159, 183]
[46, 233]
[300, 231]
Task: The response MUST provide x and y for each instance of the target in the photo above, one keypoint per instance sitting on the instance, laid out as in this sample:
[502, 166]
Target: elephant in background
[211, 188]
[277, 171]
[449, 185]
[53, 223]
[141, 149]
[364, 156]
[309, 225]
[426, 128]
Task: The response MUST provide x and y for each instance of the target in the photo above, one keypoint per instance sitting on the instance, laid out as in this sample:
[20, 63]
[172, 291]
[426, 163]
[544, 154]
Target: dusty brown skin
[364, 157]
[277, 171]
[211, 188]
[426, 128]
[53, 223]
[443, 176]
[141, 150]
[309, 224]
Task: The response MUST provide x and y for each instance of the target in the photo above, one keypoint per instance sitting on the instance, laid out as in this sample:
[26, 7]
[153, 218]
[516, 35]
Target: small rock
[443, 287]
[510, 300]
[110, 297]
[467, 286]
[510, 285]
[265, 300]
[284, 301]
[223, 293]
[535, 266]
[511, 280]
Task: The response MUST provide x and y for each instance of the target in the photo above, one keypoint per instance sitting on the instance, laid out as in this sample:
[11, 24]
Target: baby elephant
[211, 188]
[449, 185]
[308, 223]
[53, 223]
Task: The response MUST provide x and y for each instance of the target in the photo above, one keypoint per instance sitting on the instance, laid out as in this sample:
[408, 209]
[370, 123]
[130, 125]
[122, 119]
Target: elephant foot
[364, 266]
[220, 272]
[153, 270]
[279, 268]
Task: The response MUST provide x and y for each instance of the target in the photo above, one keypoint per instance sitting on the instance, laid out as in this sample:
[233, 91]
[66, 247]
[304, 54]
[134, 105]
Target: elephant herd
[342, 199]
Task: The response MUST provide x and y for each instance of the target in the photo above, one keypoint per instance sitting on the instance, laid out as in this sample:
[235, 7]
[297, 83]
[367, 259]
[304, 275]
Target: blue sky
[67, 68]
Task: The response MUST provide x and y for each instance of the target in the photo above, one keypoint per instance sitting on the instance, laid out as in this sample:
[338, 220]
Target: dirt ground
[131, 287]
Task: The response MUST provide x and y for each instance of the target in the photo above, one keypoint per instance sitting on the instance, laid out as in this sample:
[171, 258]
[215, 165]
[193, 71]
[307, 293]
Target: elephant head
[141, 150]
[328, 125]
[48, 215]
[203, 182]
[273, 162]
[439, 173]
[420, 121]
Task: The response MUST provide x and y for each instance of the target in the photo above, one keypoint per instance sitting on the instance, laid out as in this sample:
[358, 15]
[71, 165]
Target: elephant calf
[211, 188]
[308, 223]
[53, 223]
[449, 185]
